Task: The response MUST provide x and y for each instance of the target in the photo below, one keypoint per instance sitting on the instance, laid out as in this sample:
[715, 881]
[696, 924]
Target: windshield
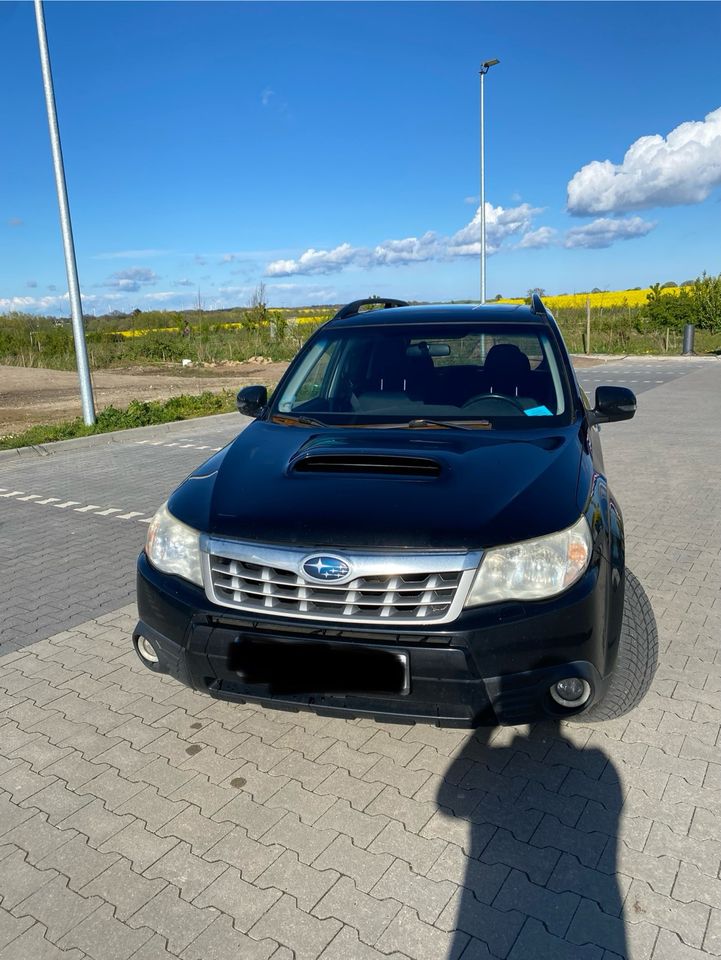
[503, 375]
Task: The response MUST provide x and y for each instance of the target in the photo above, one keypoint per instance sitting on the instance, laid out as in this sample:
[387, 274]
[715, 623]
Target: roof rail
[350, 309]
[537, 306]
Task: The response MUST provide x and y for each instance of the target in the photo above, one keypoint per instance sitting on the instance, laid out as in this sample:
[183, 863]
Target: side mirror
[613, 403]
[251, 400]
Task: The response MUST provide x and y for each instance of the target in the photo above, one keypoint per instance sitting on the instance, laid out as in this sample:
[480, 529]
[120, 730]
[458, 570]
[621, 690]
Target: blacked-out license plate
[311, 667]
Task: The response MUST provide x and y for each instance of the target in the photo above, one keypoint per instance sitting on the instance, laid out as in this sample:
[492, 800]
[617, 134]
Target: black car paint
[256, 494]
[494, 487]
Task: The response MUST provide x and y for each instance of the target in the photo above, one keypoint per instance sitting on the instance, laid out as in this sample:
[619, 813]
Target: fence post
[588, 324]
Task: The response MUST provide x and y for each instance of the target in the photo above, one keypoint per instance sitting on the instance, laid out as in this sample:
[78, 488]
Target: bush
[706, 296]
[138, 413]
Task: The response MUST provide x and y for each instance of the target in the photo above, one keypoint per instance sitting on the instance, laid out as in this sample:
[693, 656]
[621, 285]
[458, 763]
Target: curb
[113, 437]
[614, 357]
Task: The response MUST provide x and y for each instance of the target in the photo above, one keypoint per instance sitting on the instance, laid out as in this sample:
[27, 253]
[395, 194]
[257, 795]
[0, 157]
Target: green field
[618, 325]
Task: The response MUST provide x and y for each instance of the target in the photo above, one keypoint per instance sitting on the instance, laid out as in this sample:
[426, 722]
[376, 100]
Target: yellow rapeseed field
[607, 298]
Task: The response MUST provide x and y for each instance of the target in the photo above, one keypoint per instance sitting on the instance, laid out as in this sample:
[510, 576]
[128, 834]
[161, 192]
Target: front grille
[404, 594]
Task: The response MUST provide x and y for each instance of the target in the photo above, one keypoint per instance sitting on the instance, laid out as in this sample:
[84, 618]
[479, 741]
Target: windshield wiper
[295, 418]
[452, 424]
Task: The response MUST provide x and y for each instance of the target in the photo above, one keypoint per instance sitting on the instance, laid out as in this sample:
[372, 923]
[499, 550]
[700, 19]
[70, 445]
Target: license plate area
[310, 666]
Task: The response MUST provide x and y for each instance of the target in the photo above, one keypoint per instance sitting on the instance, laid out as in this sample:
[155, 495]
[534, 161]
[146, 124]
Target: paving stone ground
[140, 820]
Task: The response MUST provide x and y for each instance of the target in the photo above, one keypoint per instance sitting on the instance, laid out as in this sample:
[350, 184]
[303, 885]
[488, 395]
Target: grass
[137, 414]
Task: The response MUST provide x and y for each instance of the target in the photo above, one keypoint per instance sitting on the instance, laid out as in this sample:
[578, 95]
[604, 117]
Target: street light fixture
[485, 67]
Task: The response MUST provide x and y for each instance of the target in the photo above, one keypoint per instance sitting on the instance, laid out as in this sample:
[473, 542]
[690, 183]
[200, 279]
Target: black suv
[416, 526]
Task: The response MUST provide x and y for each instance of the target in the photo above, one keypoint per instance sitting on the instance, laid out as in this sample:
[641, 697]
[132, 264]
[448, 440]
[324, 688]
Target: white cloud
[535, 239]
[26, 303]
[684, 167]
[408, 250]
[184, 283]
[56, 302]
[131, 280]
[318, 261]
[605, 231]
[500, 224]
[160, 295]
[266, 96]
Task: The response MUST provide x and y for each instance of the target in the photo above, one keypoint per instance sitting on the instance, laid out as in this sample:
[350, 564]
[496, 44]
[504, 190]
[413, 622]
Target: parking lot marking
[91, 508]
[179, 444]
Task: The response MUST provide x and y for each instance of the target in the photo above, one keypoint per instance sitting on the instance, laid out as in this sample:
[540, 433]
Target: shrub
[706, 296]
[138, 413]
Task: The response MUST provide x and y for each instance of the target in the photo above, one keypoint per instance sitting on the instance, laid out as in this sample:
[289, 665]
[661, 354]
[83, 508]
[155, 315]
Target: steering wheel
[511, 401]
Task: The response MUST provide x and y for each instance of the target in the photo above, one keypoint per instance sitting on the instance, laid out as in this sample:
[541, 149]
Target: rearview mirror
[251, 400]
[424, 349]
[612, 404]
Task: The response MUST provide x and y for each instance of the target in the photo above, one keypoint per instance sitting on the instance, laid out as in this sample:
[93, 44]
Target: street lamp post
[485, 67]
[81, 353]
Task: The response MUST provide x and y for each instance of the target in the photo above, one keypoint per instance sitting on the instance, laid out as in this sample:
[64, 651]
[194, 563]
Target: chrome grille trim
[393, 588]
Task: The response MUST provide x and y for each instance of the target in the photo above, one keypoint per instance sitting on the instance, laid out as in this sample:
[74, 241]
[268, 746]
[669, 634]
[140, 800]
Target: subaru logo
[328, 569]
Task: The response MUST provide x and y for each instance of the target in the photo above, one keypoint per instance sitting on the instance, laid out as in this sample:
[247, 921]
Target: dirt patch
[32, 395]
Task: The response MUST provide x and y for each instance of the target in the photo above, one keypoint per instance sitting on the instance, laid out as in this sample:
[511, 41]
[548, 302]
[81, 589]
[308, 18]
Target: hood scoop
[374, 464]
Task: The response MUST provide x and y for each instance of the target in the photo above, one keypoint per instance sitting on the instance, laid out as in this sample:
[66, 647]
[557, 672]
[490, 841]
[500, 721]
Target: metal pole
[588, 324]
[483, 197]
[485, 67]
[81, 353]
[688, 332]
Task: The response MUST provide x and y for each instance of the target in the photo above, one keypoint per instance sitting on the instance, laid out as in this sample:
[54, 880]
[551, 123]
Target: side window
[309, 380]
[312, 386]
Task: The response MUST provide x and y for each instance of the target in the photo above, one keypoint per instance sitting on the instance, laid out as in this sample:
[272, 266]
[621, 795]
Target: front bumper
[492, 664]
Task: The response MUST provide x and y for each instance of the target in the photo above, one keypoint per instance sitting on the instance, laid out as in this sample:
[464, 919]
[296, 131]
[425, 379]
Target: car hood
[445, 489]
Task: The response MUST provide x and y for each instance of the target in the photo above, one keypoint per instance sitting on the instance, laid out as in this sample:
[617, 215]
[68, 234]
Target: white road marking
[91, 508]
[179, 444]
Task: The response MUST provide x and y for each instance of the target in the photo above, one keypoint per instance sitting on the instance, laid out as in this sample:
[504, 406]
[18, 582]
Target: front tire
[637, 657]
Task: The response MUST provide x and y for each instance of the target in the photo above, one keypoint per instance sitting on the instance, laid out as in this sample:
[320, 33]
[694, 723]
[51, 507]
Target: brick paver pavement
[141, 820]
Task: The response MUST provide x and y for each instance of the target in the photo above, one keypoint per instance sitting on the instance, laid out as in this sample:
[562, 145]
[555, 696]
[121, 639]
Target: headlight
[173, 547]
[533, 569]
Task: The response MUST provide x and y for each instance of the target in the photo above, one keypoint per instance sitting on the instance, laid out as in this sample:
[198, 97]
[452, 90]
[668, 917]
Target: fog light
[571, 692]
[146, 650]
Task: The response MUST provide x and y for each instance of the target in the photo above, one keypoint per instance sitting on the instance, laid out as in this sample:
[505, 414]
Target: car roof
[454, 312]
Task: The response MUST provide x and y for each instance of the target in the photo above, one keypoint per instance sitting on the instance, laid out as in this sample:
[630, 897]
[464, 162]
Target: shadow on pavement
[539, 877]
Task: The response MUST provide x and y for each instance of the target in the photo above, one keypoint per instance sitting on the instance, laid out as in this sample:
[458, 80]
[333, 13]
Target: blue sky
[331, 149]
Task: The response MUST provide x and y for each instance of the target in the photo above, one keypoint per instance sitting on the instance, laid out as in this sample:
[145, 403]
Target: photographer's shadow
[536, 813]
